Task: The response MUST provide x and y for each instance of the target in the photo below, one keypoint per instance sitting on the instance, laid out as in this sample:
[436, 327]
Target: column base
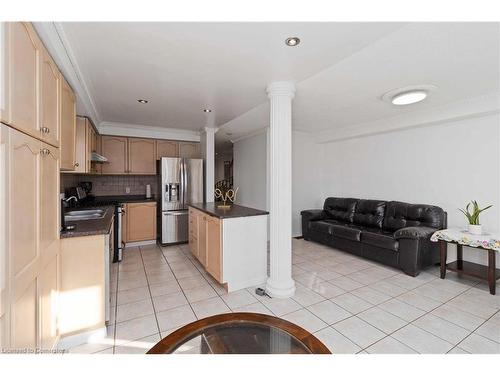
[280, 289]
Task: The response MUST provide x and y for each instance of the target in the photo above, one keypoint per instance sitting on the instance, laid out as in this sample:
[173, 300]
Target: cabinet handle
[45, 151]
[77, 164]
[45, 130]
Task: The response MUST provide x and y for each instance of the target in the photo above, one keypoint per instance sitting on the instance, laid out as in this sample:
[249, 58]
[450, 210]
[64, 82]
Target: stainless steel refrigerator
[181, 183]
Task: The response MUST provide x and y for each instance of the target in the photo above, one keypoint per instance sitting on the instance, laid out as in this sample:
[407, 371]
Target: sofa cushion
[341, 209]
[400, 215]
[347, 232]
[380, 239]
[369, 213]
[320, 226]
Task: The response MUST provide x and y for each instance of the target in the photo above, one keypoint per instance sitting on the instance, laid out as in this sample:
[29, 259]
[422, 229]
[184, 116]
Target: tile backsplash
[111, 185]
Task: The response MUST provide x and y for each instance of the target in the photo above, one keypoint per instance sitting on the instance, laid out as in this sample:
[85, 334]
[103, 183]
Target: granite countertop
[92, 227]
[227, 213]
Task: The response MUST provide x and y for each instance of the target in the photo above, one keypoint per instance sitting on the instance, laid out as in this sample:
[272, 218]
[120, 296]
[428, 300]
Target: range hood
[95, 157]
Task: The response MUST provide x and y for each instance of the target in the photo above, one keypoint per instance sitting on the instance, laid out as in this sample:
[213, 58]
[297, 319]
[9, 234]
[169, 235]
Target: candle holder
[228, 195]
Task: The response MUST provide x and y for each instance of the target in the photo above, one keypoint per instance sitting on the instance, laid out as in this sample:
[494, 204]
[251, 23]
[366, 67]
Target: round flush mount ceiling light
[292, 41]
[408, 95]
[143, 101]
[206, 110]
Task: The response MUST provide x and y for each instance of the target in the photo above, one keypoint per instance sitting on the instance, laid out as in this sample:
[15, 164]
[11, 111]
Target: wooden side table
[490, 272]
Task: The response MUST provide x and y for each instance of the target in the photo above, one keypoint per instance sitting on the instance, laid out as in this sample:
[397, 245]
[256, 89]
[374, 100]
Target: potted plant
[473, 216]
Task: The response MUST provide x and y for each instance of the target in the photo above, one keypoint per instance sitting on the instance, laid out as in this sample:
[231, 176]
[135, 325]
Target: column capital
[281, 88]
[208, 129]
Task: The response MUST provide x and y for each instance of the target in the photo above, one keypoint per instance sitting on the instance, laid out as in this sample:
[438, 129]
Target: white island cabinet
[230, 243]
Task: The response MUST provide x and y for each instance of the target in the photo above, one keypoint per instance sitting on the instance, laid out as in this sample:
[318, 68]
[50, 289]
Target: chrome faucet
[70, 198]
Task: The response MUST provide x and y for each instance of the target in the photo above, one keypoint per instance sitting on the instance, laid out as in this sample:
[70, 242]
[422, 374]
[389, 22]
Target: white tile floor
[352, 304]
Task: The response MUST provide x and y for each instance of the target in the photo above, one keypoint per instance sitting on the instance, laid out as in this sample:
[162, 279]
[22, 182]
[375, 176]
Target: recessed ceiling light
[206, 110]
[409, 97]
[292, 41]
[408, 94]
[143, 101]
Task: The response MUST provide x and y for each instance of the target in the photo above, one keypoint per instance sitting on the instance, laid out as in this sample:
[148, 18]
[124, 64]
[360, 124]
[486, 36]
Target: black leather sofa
[394, 233]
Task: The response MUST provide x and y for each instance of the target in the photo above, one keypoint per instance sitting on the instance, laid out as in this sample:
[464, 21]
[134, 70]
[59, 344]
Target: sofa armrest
[414, 233]
[312, 215]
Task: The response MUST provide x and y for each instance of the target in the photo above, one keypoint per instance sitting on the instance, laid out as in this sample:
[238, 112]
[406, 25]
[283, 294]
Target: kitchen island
[231, 243]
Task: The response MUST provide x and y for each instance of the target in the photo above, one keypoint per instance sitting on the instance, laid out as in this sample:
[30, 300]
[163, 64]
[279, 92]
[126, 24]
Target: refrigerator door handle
[185, 187]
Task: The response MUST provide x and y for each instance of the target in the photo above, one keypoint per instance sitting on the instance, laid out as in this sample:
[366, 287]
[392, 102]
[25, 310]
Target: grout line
[150, 295]
[176, 279]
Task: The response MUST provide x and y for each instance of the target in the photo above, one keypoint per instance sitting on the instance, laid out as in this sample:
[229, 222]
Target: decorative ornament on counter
[230, 194]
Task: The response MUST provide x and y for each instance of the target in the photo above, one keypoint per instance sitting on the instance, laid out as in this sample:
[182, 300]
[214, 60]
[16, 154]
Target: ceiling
[341, 70]
[461, 59]
[182, 68]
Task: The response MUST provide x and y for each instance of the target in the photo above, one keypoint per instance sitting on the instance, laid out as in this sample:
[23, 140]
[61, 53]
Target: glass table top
[240, 333]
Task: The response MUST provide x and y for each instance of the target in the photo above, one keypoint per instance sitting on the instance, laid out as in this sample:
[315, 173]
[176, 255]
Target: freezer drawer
[174, 226]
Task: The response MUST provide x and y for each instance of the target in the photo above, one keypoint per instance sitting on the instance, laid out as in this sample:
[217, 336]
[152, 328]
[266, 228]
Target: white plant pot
[475, 229]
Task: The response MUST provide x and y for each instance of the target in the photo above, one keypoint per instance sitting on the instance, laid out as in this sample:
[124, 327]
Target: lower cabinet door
[24, 318]
[202, 239]
[214, 248]
[141, 221]
[48, 290]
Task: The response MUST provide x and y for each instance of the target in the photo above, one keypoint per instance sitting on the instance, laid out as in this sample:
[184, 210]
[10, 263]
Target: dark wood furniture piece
[241, 333]
[490, 273]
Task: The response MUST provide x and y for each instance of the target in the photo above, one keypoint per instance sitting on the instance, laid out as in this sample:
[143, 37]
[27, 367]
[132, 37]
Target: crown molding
[469, 108]
[54, 38]
[146, 131]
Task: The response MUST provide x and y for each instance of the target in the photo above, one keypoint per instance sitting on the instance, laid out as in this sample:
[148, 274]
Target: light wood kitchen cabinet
[22, 51]
[29, 191]
[48, 289]
[141, 156]
[214, 247]
[82, 147]
[124, 222]
[205, 241]
[169, 149]
[141, 221]
[49, 99]
[4, 76]
[190, 150]
[115, 149]
[68, 127]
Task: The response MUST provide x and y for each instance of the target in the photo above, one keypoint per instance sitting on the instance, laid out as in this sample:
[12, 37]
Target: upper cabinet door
[4, 74]
[49, 99]
[23, 54]
[141, 156]
[115, 150]
[190, 150]
[169, 149]
[68, 127]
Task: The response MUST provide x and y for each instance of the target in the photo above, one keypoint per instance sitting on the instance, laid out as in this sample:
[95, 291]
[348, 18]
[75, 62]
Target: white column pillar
[208, 147]
[280, 283]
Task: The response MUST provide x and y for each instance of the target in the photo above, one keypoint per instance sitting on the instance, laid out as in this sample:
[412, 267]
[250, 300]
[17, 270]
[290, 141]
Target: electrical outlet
[127, 190]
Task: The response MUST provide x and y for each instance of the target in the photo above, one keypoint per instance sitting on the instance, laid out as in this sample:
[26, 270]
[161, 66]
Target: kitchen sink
[84, 215]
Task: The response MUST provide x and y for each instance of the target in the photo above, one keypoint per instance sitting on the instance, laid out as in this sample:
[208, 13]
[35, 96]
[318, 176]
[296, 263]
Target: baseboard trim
[140, 243]
[71, 341]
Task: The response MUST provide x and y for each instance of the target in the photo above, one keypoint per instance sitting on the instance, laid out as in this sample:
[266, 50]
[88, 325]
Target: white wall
[250, 163]
[446, 165]
[249, 171]
[306, 175]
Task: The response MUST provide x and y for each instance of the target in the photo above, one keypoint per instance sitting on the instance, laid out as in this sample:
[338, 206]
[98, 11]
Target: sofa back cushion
[400, 215]
[341, 209]
[369, 213]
